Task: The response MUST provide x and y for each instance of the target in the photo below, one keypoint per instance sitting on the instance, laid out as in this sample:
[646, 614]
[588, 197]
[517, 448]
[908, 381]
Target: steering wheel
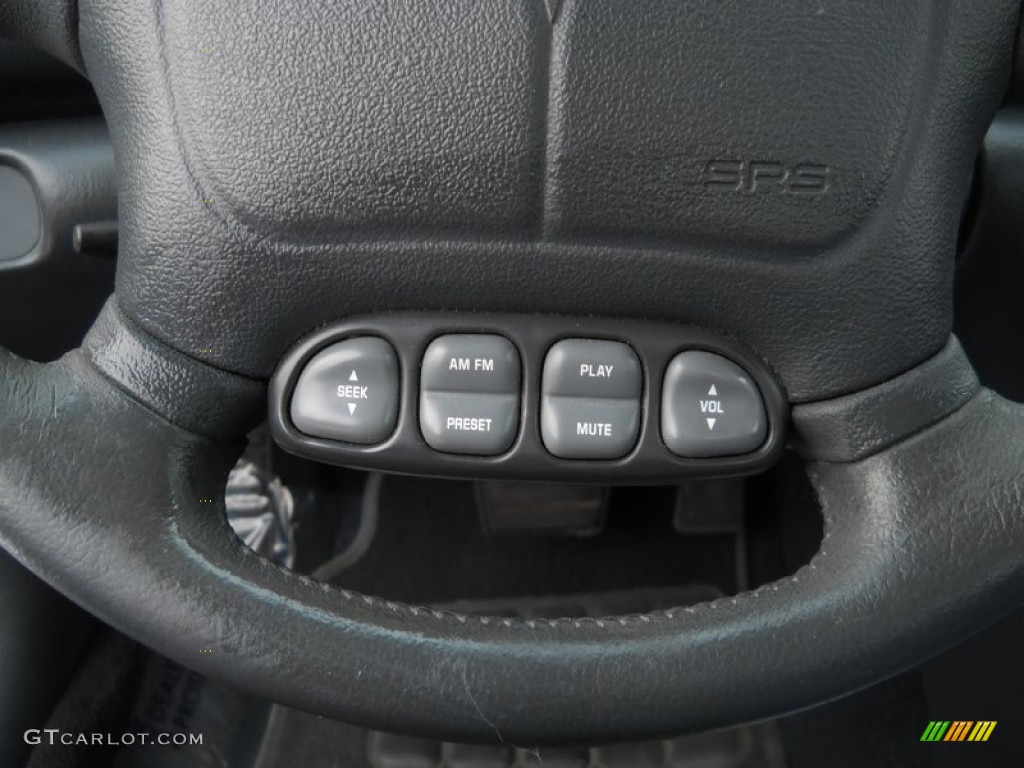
[789, 176]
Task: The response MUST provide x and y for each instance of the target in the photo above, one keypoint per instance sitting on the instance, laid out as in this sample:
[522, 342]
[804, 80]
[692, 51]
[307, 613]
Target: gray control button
[461, 422]
[469, 394]
[589, 428]
[710, 407]
[590, 399]
[592, 368]
[349, 392]
[471, 362]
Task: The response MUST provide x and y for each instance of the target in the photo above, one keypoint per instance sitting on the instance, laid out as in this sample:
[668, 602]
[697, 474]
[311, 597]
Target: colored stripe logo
[958, 730]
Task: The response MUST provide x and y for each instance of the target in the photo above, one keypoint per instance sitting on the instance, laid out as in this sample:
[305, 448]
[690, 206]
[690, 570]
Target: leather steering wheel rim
[919, 476]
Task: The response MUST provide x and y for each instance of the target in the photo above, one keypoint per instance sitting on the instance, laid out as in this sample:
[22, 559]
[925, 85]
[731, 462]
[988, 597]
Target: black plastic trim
[406, 452]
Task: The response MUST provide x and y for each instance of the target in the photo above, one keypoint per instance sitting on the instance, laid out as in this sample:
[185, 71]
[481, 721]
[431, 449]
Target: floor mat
[429, 547]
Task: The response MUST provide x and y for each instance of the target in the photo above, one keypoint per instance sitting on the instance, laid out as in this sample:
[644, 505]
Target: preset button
[462, 422]
[469, 394]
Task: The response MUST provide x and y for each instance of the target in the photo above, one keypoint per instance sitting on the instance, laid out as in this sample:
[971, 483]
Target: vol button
[710, 407]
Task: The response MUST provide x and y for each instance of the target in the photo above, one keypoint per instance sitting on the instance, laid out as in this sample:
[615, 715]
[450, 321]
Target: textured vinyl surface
[50, 25]
[790, 174]
[860, 424]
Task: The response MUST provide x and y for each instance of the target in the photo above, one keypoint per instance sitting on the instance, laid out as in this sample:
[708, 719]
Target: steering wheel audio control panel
[527, 397]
